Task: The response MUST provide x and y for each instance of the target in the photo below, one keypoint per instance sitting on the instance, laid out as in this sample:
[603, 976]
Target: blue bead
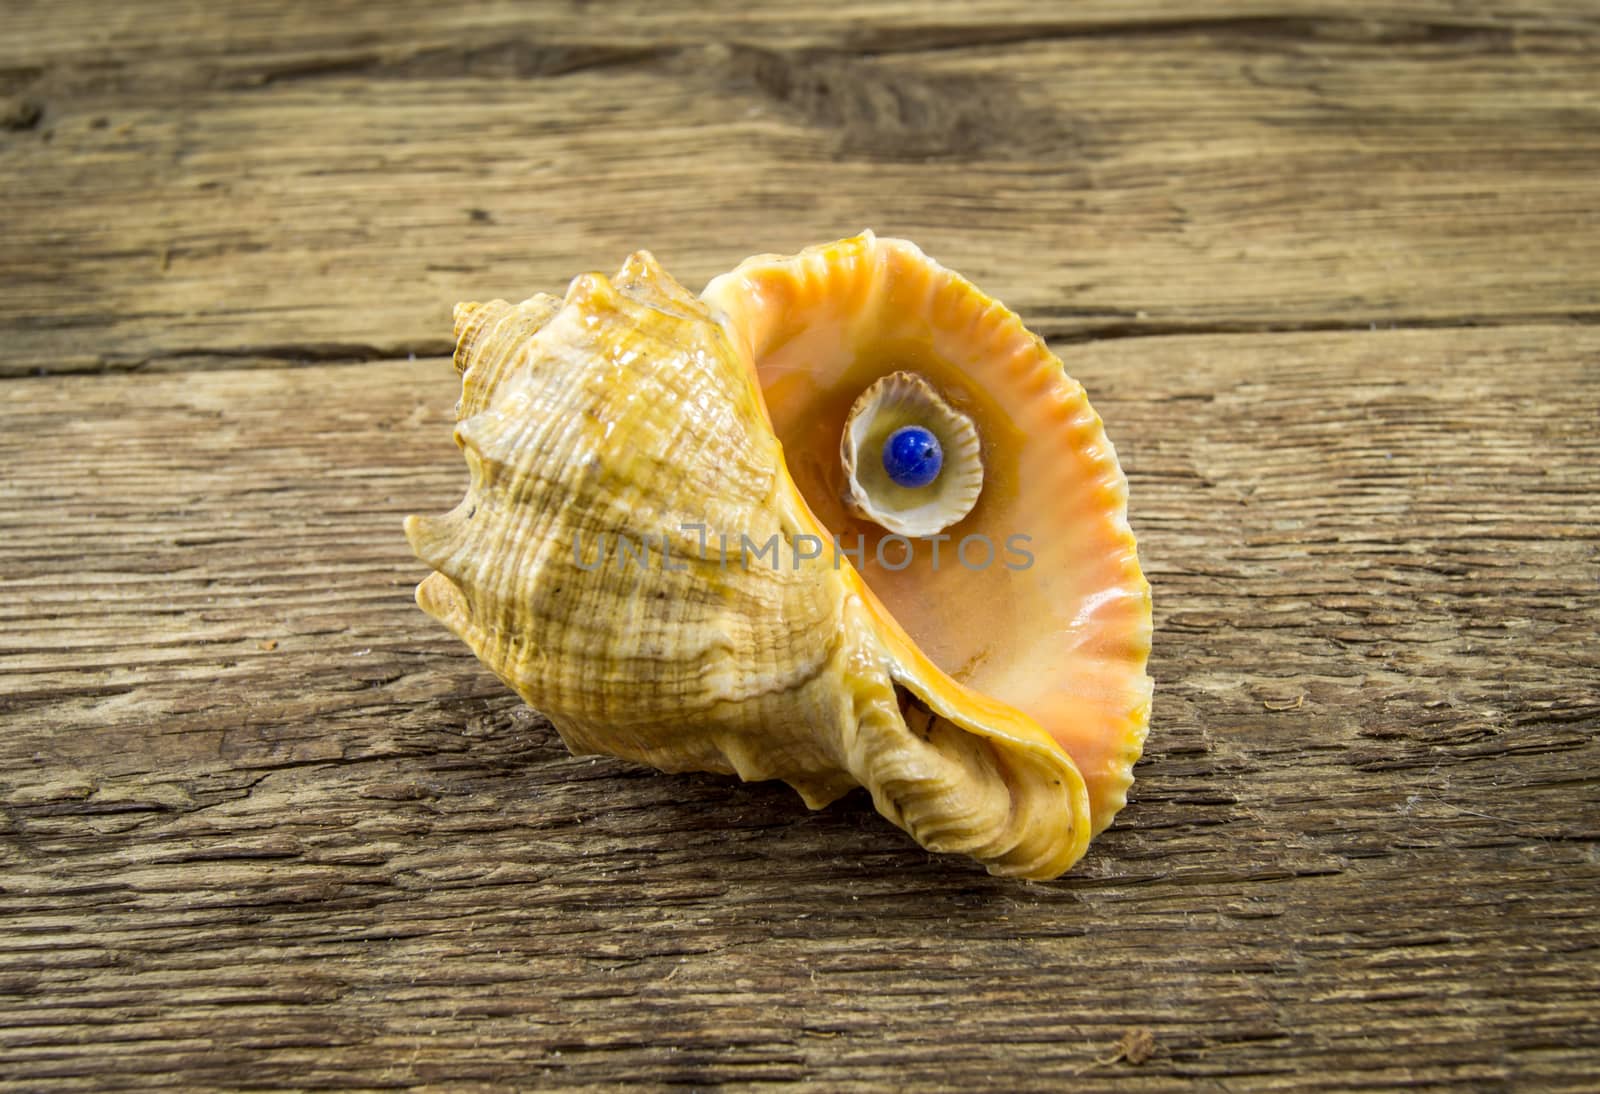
[912, 456]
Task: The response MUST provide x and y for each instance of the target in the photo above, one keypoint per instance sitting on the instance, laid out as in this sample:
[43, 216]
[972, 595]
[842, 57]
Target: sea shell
[899, 401]
[649, 562]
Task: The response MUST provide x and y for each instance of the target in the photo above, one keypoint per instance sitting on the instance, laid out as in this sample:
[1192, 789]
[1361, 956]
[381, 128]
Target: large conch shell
[638, 559]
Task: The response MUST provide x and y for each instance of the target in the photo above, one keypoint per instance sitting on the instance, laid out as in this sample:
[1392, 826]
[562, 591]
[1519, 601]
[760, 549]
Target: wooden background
[1331, 274]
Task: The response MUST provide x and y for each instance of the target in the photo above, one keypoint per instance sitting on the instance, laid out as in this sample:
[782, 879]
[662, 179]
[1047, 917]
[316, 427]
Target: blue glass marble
[912, 456]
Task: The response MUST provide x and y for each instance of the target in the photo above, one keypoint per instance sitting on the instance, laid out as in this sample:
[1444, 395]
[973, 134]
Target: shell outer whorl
[623, 415]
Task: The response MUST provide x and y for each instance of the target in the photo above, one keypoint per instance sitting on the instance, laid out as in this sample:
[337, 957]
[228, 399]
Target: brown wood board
[1330, 281]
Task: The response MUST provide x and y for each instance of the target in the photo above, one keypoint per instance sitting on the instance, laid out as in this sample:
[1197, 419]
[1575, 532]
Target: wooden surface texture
[1331, 275]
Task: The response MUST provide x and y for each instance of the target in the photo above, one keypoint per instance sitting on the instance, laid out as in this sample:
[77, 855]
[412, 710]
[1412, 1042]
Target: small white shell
[899, 399]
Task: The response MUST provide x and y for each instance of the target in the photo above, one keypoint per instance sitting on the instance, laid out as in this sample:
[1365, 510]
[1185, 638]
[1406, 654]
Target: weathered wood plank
[266, 825]
[263, 824]
[43, 31]
[321, 185]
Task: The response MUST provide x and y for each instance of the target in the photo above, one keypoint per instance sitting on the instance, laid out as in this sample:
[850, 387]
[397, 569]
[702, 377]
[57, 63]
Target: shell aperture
[1035, 597]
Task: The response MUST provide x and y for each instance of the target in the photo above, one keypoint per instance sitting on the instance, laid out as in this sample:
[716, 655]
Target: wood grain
[200, 191]
[1328, 274]
[264, 819]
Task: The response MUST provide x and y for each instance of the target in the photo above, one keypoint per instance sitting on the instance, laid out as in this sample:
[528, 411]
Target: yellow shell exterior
[628, 413]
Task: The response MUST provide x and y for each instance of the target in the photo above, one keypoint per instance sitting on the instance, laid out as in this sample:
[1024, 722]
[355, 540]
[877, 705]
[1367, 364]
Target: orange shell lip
[1036, 600]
